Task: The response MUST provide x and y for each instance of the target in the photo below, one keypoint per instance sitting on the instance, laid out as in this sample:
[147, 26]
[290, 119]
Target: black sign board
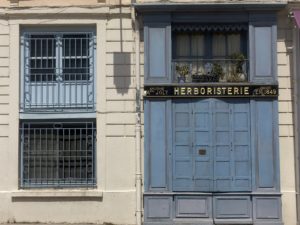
[239, 90]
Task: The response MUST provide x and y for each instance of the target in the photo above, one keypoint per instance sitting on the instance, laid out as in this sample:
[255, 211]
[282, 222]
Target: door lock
[202, 151]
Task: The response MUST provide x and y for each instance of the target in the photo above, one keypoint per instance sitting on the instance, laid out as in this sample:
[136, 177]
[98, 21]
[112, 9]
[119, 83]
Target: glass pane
[219, 45]
[76, 57]
[197, 45]
[234, 43]
[42, 55]
[58, 153]
[182, 45]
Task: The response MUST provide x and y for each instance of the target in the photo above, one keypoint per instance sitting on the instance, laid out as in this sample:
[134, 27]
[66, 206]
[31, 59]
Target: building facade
[148, 112]
[67, 96]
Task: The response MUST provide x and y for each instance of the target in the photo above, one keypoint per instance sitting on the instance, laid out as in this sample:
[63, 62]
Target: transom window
[57, 154]
[209, 53]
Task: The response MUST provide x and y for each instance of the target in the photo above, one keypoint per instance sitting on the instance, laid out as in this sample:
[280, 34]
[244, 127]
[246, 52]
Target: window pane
[76, 54]
[197, 45]
[234, 43]
[182, 45]
[42, 58]
[219, 45]
[56, 154]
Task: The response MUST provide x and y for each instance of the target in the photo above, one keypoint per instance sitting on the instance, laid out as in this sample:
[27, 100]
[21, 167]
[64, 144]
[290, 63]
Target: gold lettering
[229, 90]
[246, 90]
[189, 91]
[202, 91]
[196, 91]
[224, 90]
[235, 90]
[219, 91]
[182, 90]
[176, 91]
[209, 91]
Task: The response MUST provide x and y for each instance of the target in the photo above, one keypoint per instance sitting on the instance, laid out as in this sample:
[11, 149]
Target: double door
[211, 145]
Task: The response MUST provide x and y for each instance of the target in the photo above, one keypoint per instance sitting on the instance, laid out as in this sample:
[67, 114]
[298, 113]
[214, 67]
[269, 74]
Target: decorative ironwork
[234, 70]
[57, 154]
[58, 72]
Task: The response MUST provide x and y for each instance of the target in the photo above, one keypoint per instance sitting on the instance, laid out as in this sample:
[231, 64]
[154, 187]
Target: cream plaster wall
[286, 128]
[114, 199]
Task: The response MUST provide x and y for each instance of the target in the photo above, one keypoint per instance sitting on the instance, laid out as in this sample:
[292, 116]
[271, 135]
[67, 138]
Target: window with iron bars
[58, 154]
[58, 71]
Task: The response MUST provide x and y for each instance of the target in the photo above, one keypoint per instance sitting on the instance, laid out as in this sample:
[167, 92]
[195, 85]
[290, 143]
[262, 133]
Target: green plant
[237, 74]
[183, 70]
[217, 71]
[238, 60]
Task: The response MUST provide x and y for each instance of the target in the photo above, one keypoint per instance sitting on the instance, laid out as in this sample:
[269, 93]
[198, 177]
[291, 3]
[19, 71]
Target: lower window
[58, 154]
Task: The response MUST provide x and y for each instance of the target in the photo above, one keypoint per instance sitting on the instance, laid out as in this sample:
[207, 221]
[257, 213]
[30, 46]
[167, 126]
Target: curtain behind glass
[233, 43]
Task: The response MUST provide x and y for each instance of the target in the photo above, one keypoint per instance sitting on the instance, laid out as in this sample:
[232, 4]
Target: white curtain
[182, 45]
[233, 43]
[197, 45]
[219, 45]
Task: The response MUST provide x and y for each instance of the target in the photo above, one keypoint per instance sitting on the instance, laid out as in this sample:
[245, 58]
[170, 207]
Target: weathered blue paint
[157, 52]
[236, 178]
[157, 149]
[158, 208]
[157, 49]
[266, 146]
[158, 153]
[262, 48]
[232, 207]
[263, 51]
[193, 207]
[267, 209]
[211, 145]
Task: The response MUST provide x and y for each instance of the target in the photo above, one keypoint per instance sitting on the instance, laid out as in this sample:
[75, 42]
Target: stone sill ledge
[57, 194]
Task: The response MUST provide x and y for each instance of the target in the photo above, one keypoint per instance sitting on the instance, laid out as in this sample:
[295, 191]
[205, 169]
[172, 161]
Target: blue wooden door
[211, 150]
[182, 147]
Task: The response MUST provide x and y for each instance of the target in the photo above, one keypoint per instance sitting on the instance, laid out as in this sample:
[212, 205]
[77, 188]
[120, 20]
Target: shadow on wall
[122, 72]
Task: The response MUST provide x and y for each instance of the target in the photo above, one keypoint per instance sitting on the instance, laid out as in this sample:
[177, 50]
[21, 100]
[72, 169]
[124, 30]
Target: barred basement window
[58, 154]
[58, 71]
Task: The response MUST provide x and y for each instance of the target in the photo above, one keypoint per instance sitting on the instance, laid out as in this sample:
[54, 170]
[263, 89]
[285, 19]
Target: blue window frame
[58, 71]
[58, 154]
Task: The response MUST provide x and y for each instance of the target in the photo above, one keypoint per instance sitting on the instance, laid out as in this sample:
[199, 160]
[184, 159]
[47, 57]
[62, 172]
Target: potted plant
[212, 73]
[238, 73]
[182, 72]
[217, 72]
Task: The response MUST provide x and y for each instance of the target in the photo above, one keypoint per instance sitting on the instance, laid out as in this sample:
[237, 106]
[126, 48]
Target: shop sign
[212, 91]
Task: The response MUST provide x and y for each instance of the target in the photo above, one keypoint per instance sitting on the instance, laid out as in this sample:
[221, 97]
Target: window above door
[209, 53]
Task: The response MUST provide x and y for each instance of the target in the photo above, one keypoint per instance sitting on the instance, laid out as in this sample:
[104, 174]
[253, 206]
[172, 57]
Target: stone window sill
[69, 193]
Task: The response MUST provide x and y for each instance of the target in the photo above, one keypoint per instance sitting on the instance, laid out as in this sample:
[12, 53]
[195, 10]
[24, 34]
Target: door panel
[211, 149]
[222, 145]
[201, 145]
[241, 146]
[182, 164]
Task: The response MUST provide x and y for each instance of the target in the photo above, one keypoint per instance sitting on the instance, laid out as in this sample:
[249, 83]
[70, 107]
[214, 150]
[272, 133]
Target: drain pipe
[138, 170]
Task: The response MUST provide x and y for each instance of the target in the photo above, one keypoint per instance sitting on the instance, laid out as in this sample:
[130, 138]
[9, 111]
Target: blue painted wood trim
[158, 50]
[266, 147]
[263, 47]
[157, 114]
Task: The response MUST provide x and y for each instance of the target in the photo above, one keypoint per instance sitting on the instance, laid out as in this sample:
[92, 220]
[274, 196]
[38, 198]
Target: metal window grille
[58, 154]
[58, 72]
